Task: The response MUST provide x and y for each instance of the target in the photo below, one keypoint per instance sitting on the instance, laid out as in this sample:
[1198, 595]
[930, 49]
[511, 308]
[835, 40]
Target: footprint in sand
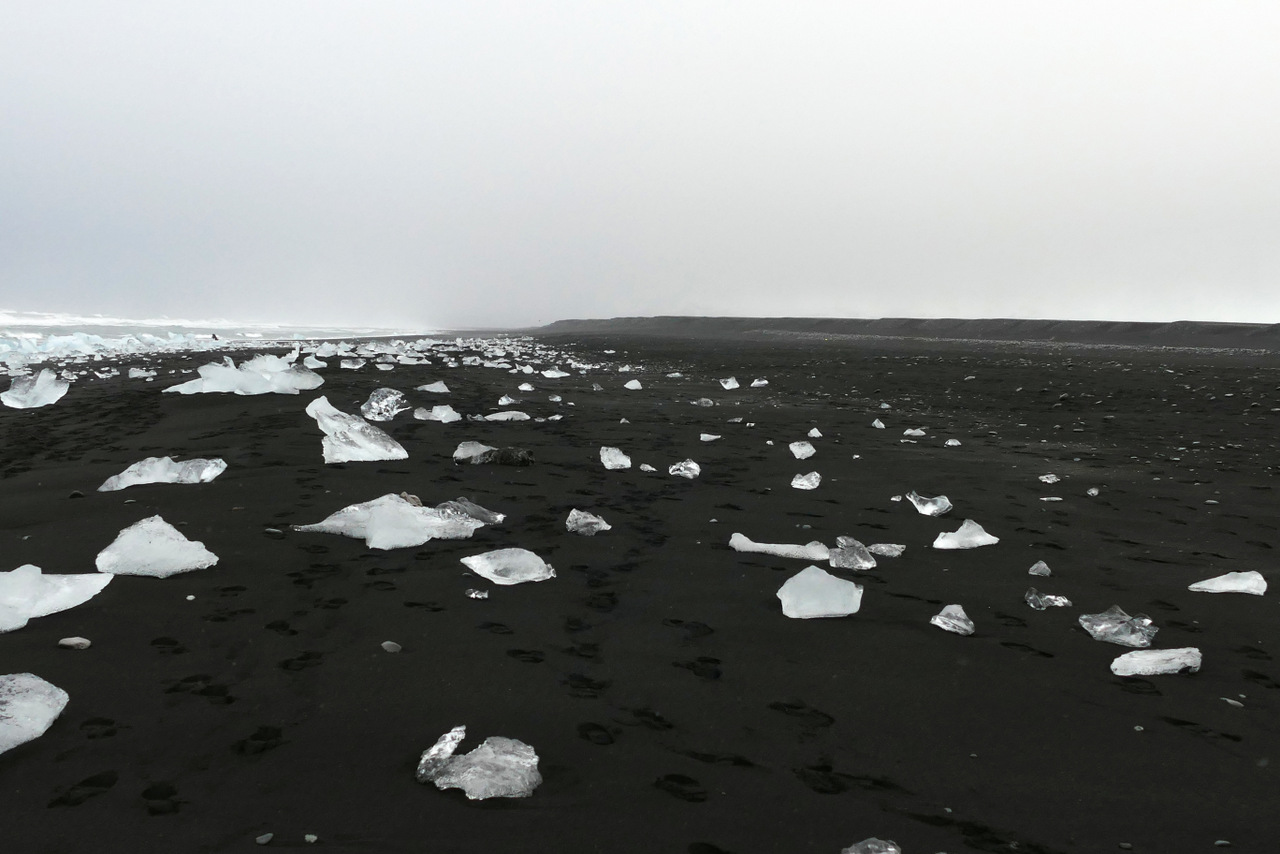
[681, 786]
[1022, 647]
[310, 658]
[707, 669]
[584, 686]
[595, 733]
[426, 606]
[589, 651]
[161, 799]
[264, 738]
[281, 627]
[826, 781]
[98, 728]
[496, 628]
[649, 718]
[528, 656]
[168, 646]
[733, 759]
[810, 717]
[74, 796]
[692, 628]
[201, 685]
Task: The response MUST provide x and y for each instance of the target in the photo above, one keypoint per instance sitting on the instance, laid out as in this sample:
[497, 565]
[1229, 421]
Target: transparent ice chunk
[851, 554]
[952, 443]
[1041, 601]
[384, 404]
[687, 469]
[466, 451]
[1115, 626]
[263, 374]
[498, 768]
[42, 389]
[913, 431]
[708, 437]
[613, 458]
[1049, 478]
[27, 593]
[467, 507]
[1040, 568]
[953, 619]
[878, 424]
[814, 433]
[437, 756]
[1157, 662]
[28, 706]
[969, 535]
[811, 551]
[445, 414]
[729, 383]
[633, 385]
[349, 438]
[887, 549]
[437, 387]
[154, 548]
[509, 566]
[394, 522]
[929, 506]
[806, 481]
[1250, 582]
[759, 383]
[164, 470]
[587, 524]
[814, 592]
[802, 450]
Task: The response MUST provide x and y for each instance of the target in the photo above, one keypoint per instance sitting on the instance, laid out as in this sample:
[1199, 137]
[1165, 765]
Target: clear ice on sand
[443, 413]
[806, 481]
[384, 404]
[1041, 601]
[27, 593]
[498, 768]
[729, 383]
[164, 470]
[887, 549]
[686, 469]
[264, 374]
[349, 438]
[1157, 662]
[1039, 568]
[873, 845]
[587, 524]
[613, 458]
[154, 548]
[851, 554]
[953, 619]
[1250, 582]
[802, 450]
[814, 592]
[437, 387]
[438, 755]
[969, 535]
[28, 706]
[30, 392]
[509, 566]
[394, 522]
[1115, 626]
[811, 551]
[929, 506]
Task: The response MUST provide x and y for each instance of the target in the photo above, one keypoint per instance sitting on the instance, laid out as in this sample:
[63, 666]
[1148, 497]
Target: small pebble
[84, 643]
[274, 533]
[191, 598]
[76, 494]
[1126, 846]
[391, 646]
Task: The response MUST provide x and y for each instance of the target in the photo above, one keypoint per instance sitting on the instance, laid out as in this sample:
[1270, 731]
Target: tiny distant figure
[215, 336]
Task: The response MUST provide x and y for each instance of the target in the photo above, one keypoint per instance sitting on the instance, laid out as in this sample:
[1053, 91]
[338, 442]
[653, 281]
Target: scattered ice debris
[27, 593]
[395, 522]
[351, 364]
[1157, 662]
[708, 437]
[445, 414]
[811, 551]
[647, 467]
[154, 548]
[806, 481]
[633, 385]
[75, 642]
[42, 389]
[384, 404]
[509, 566]
[509, 415]
[1041, 601]
[953, 619]
[164, 470]
[1039, 568]
[1115, 626]
[1049, 478]
[878, 424]
[392, 646]
[814, 433]
[759, 383]
[913, 431]
[814, 592]
[613, 458]
[729, 384]
[887, 549]
[969, 535]
[851, 554]
[349, 438]
[686, 468]
[587, 524]
[929, 506]
[1250, 582]
[437, 387]
[264, 374]
[28, 706]
[498, 768]
[141, 374]
[873, 845]
[952, 443]
[802, 450]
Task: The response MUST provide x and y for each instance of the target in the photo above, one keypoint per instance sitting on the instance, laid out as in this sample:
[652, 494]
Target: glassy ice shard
[384, 404]
[42, 389]
[509, 566]
[969, 535]
[498, 768]
[1041, 601]
[1250, 582]
[1157, 662]
[155, 548]
[1115, 626]
[587, 524]
[851, 554]
[613, 459]
[164, 470]
[953, 619]
[811, 551]
[349, 438]
[929, 506]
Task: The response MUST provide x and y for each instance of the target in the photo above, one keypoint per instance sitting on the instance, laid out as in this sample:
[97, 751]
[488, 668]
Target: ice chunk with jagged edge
[1049, 478]
[878, 424]
[437, 387]
[1233, 582]
[42, 389]
[952, 443]
[507, 400]
[384, 404]
[587, 524]
[141, 374]
[526, 387]
[811, 551]
[1041, 601]
[466, 451]
[887, 549]
[953, 619]
[509, 566]
[851, 554]
[685, 468]
[164, 470]
[154, 548]
[445, 414]
[437, 756]
[351, 364]
[263, 374]
[646, 467]
[1040, 568]
[913, 431]
[27, 593]
[312, 362]
[394, 522]
[554, 374]
[349, 438]
[1157, 662]
[929, 506]
[709, 437]
[509, 415]
[802, 450]
[969, 535]
[814, 433]
[759, 383]
[477, 454]
[806, 481]
[467, 507]
[1115, 626]
[28, 706]
[613, 458]
[633, 385]
[498, 768]
[873, 845]
[813, 592]
[729, 383]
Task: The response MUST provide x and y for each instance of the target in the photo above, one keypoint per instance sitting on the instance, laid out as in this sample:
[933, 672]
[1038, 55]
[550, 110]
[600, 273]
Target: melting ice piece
[813, 592]
[913, 431]
[509, 415]
[394, 522]
[437, 387]
[1092, 492]
[1115, 626]
[703, 401]
[509, 566]
[708, 437]
[164, 470]
[1039, 568]
[952, 443]
[969, 535]
[1157, 662]
[1049, 478]
[526, 387]
[686, 468]
[646, 467]
[478, 454]
[312, 362]
[929, 506]
[730, 384]
[498, 768]
[873, 845]
[633, 385]
[806, 481]
[155, 548]
[587, 524]
[887, 549]
[814, 433]
[467, 507]
[759, 383]
[851, 554]
[1041, 601]
[613, 458]
[445, 414]
[812, 551]
[554, 374]
[466, 451]
[264, 374]
[28, 706]
[384, 404]
[802, 450]
[878, 424]
[507, 400]
[349, 438]
[1233, 582]
[437, 756]
[141, 374]
[27, 593]
[953, 619]
[29, 392]
[351, 364]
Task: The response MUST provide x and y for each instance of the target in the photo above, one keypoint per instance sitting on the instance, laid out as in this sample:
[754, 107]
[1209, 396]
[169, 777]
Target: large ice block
[165, 470]
[498, 768]
[969, 535]
[384, 404]
[1157, 662]
[1250, 582]
[264, 374]
[42, 389]
[349, 438]
[27, 593]
[154, 548]
[28, 706]
[509, 566]
[813, 592]
[393, 522]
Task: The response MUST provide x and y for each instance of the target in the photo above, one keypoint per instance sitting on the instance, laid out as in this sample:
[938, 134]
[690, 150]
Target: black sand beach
[672, 705]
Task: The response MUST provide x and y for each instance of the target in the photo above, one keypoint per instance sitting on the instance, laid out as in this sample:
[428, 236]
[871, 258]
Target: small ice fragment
[873, 845]
[811, 551]
[703, 401]
[312, 363]
[349, 438]
[759, 383]
[885, 406]
[851, 554]
[647, 467]
[310, 837]
[467, 451]
[878, 424]
[1039, 568]
[351, 364]
[969, 535]
[445, 414]
[1049, 478]
[165, 470]
[141, 374]
[42, 389]
[953, 619]
[633, 385]
[264, 838]
[384, 404]
[1115, 626]
[814, 433]
[952, 443]
[466, 507]
[806, 481]
[27, 593]
[929, 506]
[1157, 662]
[1230, 702]
[507, 400]
[1250, 582]
[1050, 498]
[394, 522]
[498, 768]
[437, 387]
[525, 387]
[1092, 492]
[613, 458]
[477, 454]
[587, 524]
[895, 497]
[391, 646]
[509, 566]
[802, 450]
[554, 374]
[729, 384]
[473, 593]
[1041, 601]
[813, 592]
[887, 549]
[913, 431]
[75, 642]
[708, 437]
[686, 468]
[154, 548]
[437, 756]
[28, 706]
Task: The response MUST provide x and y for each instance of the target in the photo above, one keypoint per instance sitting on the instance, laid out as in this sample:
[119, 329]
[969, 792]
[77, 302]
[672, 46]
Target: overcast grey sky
[471, 163]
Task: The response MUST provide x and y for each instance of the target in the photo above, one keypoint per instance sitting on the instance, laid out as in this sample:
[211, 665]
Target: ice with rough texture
[154, 548]
[851, 554]
[587, 524]
[28, 706]
[349, 438]
[554, 374]
[1040, 568]
[509, 415]
[759, 383]
[1115, 626]
[814, 592]
[873, 845]
[437, 387]
[613, 458]
[887, 549]
[913, 431]
[467, 507]
[709, 437]
[444, 413]
[1250, 582]
[729, 383]
[164, 470]
[686, 468]
[806, 481]
[633, 385]
[1049, 478]
[802, 450]
[477, 454]
[878, 424]
[969, 535]
[929, 506]
[42, 389]
[498, 768]
[384, 404]
[811, 551]
[1041, 601]
[953, 619]
[952, 443]
[264, 374]
[438, 755]
[814, 433]
[509, 566]
[1157, 662]
[27, 593]
[467, 451]
[394, 522]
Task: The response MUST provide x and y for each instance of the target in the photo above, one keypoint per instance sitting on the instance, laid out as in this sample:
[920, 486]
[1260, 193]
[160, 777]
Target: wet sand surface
[673, 707]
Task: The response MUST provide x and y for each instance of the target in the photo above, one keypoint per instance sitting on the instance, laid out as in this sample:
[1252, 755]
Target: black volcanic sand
[674, 708]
